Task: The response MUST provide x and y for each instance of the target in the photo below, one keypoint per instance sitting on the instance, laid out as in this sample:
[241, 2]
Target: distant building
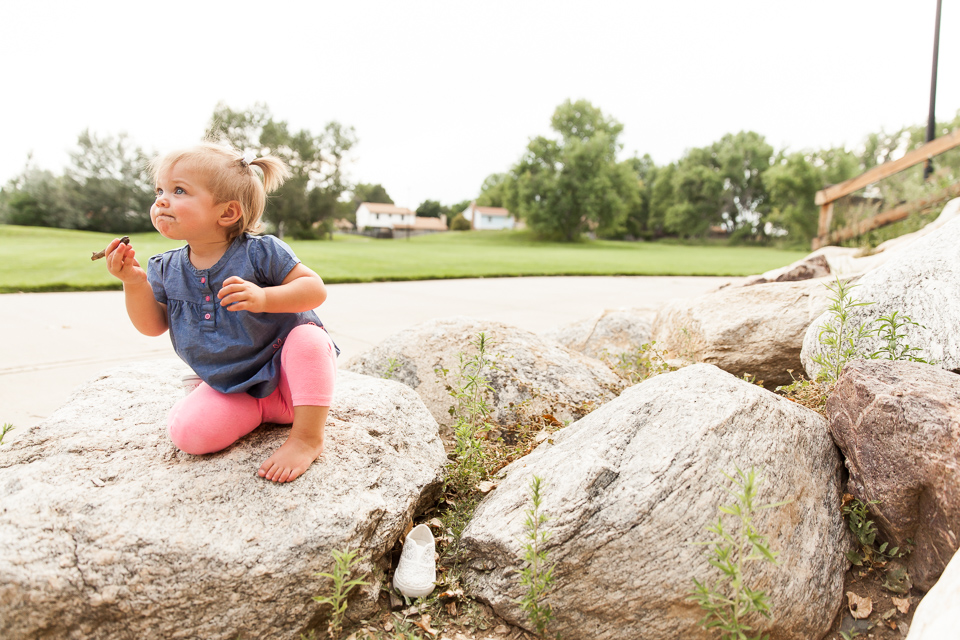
[485, 218]
[383, 220]
[422, 225]
[377, 215]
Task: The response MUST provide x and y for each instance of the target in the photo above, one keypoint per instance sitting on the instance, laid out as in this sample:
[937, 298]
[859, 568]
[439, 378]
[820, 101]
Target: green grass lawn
[39, 259]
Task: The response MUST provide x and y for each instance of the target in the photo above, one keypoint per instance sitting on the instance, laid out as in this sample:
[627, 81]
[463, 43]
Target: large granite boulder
[922, 282]
[608, 334]
[531, 374]
[757, 330]
[108, 531]
[938, 614]
[898, 424]
[631, 487]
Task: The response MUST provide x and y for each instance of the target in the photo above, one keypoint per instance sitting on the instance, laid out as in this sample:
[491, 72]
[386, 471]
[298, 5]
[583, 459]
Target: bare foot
[303, 446]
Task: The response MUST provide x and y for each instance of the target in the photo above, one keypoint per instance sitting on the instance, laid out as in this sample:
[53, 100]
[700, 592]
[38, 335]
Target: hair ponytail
[273, 170]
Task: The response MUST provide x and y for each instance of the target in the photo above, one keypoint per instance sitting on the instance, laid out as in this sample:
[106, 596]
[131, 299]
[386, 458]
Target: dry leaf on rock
[859, 607]
[902, 604]
[486, 486]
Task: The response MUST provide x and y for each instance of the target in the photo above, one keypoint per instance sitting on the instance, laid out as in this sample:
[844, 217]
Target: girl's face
[184, 209]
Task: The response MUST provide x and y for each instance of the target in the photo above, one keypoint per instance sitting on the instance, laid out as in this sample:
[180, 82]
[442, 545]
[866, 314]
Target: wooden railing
[831, 194]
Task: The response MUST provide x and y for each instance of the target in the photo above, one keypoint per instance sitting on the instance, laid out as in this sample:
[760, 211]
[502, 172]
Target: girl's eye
[159, 192]
[179, 191]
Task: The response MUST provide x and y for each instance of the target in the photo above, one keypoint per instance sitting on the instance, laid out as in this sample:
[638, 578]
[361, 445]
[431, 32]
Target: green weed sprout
[729, 604]
[857, 513]
[7, 427]
[838, 337]
[889, 332]
[392, 365]
[345, 563]
[536, 576]
[470, 411]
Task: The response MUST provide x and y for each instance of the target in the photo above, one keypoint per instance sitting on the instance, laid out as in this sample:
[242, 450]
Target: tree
[371, 193]
[105, 188]
[108, 185]
[307, 202]
[432, 209]
[493, 191]
[566, 186]
[792, 182]
[718, 185]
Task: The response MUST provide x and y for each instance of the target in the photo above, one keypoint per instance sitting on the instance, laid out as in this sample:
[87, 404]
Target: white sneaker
[416, 572]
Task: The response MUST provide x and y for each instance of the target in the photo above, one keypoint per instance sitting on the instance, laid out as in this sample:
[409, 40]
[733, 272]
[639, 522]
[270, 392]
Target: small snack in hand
[100, 254]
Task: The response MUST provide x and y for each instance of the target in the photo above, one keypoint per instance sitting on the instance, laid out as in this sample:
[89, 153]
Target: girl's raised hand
[238, 294]
[122, 263]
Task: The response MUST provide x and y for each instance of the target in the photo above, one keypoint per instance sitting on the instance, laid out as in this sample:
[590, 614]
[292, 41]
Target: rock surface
[612, 332]
[108, 531]
[630, 487]
[898, 424]
[814, 265]
[922, 282]
[757, 330]
[938, 614]
[539, 374]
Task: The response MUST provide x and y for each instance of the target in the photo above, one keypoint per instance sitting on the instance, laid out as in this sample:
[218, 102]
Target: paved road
[54, 342]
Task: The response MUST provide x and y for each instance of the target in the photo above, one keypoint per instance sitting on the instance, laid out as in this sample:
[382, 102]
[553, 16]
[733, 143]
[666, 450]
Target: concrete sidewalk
[54, 342]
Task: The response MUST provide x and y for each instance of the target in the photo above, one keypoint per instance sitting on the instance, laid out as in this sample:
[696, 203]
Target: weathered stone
[108, 531]
[629, 488]
[608, 334]
[813, 266]
[538, 374]
[898, 424]
[922, 282]
[938, 614]
[757, 330]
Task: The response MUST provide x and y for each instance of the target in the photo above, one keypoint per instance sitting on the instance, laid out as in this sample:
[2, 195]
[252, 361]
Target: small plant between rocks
[640, 363]
[857, 513]
[730, 605]
[536, 576]
[345, 564]
[840, 338]
[7, 427]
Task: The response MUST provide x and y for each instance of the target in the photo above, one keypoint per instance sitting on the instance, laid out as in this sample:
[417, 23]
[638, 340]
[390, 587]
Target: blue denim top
[232, 351]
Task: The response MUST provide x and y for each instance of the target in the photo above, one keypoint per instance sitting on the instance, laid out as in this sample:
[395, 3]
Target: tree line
[572, 183]
[562, 187]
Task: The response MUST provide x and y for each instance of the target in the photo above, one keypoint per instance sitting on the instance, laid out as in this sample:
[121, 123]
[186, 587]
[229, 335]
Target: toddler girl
[238, 307]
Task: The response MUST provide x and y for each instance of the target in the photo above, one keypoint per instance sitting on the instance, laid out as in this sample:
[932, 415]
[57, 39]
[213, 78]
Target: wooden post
[823, 228]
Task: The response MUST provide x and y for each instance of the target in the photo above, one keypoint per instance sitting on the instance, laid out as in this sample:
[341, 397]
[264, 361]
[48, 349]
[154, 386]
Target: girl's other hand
[122, 263]
[238, 294]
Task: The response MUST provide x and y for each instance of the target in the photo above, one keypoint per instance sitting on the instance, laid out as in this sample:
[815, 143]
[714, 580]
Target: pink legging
[207, 420]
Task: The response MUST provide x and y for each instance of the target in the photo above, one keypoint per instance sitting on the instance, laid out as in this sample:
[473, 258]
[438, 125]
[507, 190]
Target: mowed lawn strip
[37, 259]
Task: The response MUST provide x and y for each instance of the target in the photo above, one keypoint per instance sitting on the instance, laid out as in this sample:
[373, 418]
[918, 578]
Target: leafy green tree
[564, 187]
[363, 192]
[638, 218]
[718, 185]
[792, 182]
[106, 188]
[306, 204]
[432, 209]
[494, 190]
[108, 185]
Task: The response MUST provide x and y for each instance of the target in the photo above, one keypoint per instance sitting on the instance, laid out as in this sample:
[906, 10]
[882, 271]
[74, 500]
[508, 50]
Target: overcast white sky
[442, 94]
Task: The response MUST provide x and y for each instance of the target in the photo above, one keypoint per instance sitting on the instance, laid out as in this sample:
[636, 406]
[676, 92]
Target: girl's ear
[230, 214]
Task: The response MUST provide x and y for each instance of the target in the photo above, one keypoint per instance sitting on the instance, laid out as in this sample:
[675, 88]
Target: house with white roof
[377, 215]
[485, 218]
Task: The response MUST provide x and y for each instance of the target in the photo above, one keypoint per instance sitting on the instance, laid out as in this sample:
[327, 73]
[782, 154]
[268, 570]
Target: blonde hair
[227, 176]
